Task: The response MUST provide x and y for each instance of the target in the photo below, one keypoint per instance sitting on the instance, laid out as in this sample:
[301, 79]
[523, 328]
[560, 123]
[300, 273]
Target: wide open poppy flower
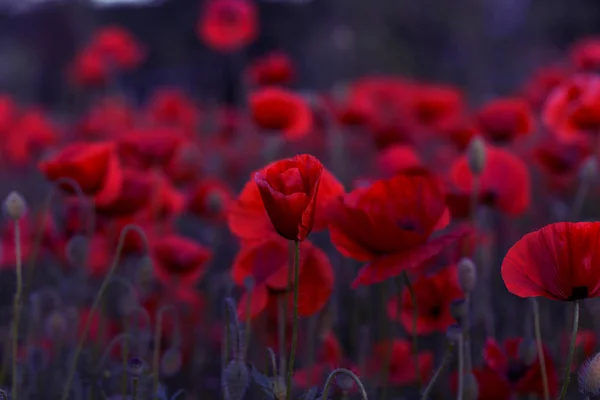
[401, 368]
[179, 260]
[94, 166]
[288, 189]
[556, 262]
[268, 264]
[511, 196]
[573, 108]
[248, 219]
[150, 147]
[135, 195]
[172, 107]
[228, 25]
[280, 111]
[503, 120]
[389, 225]
[118, 47]
[275, 68]
[434, 295]
[210, 199]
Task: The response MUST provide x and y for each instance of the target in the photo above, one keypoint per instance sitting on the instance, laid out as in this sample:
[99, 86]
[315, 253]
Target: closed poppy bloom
[275, 68]
[398, 159]
[288, 189]
[401, 370]
[555, 262]
[433, 104]
[511, 196]
[179, 260]
[118, 47]
[280, 111]
[573, 108]
[389, 225]
[434, 295]
[89, 69]
[268, 264]
[135, 195]
[94, 166]
[502, 120]
[173, 107]
[228, 25]
[150, 147]
[210, 199]
[585, 54]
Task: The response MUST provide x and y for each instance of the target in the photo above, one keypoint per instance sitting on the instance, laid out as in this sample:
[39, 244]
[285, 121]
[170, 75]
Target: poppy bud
[589, 376]
[528, 351]
[476, 155]
[145, 271]
[15, 206]
[235, 380]
[458, 309]
[467, 274]
[135, 366]
[56, 325]
[454, 333]
[589, 169]
[171, 362]
[471, 389]
[77, 250]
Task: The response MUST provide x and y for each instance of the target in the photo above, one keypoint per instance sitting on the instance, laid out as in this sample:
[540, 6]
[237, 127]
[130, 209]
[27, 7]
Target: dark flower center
[489, 199]
[578, 293]
[435, 311]
[516, 370]
[407, 224]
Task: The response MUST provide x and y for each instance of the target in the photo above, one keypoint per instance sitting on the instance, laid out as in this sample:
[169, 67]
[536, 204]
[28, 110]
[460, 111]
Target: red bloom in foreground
[401, 371]
[94, 166]
[279, 110]
[503, 120]
[389, 225]
[228, 25]
[557, 262]
[509, 195]
[179, 260]
[434, 295]
[272, 69]
[585, 54]
[288, 189]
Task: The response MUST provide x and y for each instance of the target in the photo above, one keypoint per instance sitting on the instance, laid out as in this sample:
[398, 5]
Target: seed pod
[467, 274]
[77, 249]
[171, 362]
[476, 155]
[458, 309]
[15, 206]
[135, 366]
[454, 333]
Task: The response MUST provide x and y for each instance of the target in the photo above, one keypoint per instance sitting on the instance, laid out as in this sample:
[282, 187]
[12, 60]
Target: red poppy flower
[398, 159]
[434, 295]
[186, 165]
[228, 25]
[509, 195]
[118, 47]
[89, 69]
[288, 189]
[108, 118]
[210, 199]
[401, 370]
[278, 110]
[502, 120]
[542, 83]
[555, 262]
[459, 131]
[172, 107]
[8, 113]
[275, 68]
[573, 108]
[29, 136]
[180, 260]
[389, 224]
[560, 161]
[151, 147]
[94, 333]
[585, 54]
[94, 166]
[135, 195]
[268, 264]
[433, 104]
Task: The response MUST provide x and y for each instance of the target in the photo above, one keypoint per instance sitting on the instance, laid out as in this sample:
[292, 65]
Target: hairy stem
[17, 309]
[540, 348]
[290, 370]
[415, 318]
[565, 385]
[334, 373]
[438, 373]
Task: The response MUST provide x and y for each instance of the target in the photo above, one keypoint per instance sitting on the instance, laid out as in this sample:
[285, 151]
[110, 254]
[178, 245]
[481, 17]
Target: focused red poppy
[135, 195]
[118, 47]
[150, 147]
[585, 54]
[228, 25]
[210, 199]
[268, 264]
[172, 107]
[389, 224]
[503, 120]
[288, 189]
[401, 371]
[179, 260]
[280, 111]
[556, 262]
[434, 294]
[275, 68]
[511, 196]
[94, 166]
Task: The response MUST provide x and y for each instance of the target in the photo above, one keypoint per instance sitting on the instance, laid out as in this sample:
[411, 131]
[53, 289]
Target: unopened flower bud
[458, 309]
[476, 155]
[528, 351]
[77, 250]
[171, 362]
[467, 275]
[15, 206]
[135, 366]
[471, 387]
[454, 333]
[236, 379]
[589, 376]
[589, 169]
[56, 325]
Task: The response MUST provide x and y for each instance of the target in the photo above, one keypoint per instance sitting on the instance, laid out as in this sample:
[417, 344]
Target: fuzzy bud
[171, 362]
[476, 155]
[3, 394]
[77, 249]
[235, 380]
[528, 351]
[56, 325]
[15, 206]
[454, 333]
[589, 376]
[145, 272]
[467, 274]
[135, 366]
[471, 387]
[588, 171]
[458, 309]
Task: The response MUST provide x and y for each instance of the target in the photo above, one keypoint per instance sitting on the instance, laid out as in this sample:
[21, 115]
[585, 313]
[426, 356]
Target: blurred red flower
[210, 199]
[135, 195]
[280, 111]
[146, 148]
[179, 260]
[275, 68]
[401, 370]
[89, 69]
[432, 105]
[172, 107]
[118, 47]
[398, 159]
[585, 54]
[502, 120]
[110, 117]
[542, 83]
[228, 25]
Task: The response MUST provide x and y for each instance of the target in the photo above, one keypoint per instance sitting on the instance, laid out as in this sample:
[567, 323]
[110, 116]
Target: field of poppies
[386, 240]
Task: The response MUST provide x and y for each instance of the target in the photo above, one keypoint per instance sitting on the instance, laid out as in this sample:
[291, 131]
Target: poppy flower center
[516, 370]
[407, 224]
[578, 293]
[489, 198]
[435, 311]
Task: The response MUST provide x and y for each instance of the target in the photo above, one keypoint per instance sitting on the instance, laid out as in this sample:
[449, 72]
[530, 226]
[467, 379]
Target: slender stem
[248, 326]
[461, 368]
[95, 304]
[17, 308]
[445, 360]
[290, 371]
[334, 373]
[466, 334]
[415, 318]
[388, 335]
[563, 391]
[580, 196]
[157, 341]
[474, 201]
[135, 388]
[540, 347]
[281, 305]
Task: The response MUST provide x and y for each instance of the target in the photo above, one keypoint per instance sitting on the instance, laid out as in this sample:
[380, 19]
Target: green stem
[389, 336]
[415, 318]
[135, 388]
[17, 308]
[540, 348]
[445, 360]
[563, 391]
[290, 370]
[461, 368]
[334, 373]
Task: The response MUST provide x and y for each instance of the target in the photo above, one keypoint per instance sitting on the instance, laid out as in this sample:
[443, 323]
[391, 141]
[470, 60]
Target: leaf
[262, 382]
